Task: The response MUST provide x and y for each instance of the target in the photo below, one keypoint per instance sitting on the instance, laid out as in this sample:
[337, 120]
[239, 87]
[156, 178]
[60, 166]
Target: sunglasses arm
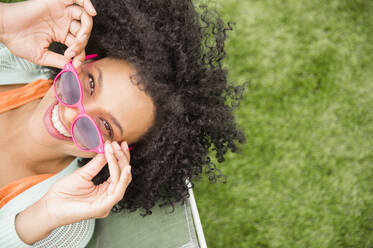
[91, 56]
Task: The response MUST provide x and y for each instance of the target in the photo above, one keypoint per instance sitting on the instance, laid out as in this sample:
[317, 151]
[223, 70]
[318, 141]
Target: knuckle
[120, 154]
[104, 215]
[79, 42]
[122, 195]
[129, 178]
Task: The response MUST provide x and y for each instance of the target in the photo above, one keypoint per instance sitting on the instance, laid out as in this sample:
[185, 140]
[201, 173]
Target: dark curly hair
[177, 52]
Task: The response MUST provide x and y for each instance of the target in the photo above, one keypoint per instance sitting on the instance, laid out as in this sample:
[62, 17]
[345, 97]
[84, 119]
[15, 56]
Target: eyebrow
[101, 86]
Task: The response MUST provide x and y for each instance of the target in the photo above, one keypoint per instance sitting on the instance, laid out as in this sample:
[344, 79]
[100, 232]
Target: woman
[159, 74]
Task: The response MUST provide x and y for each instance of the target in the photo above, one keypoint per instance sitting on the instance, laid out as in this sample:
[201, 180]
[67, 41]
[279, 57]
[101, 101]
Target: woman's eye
[91, 83]
[108, 128]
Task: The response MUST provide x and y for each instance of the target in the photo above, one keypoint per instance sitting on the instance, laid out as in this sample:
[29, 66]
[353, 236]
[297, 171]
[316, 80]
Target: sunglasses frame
[70, 68]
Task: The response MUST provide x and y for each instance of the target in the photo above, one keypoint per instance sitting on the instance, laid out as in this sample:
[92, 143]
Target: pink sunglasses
[86, 135]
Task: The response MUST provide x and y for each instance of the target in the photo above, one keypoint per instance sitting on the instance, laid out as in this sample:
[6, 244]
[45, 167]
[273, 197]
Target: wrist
[34, 223]
[47, 215]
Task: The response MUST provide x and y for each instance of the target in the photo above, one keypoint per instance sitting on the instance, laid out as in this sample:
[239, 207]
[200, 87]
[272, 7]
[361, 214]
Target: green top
[15, 70]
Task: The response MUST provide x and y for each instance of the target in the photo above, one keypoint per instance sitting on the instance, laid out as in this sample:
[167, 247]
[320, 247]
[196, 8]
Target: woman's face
[122, 111]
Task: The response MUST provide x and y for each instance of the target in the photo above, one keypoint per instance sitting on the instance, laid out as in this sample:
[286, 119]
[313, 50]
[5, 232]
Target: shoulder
[15, 70]
[37, 191]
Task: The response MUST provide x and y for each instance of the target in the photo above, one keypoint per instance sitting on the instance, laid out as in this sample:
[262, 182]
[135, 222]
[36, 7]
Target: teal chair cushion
[160, 229]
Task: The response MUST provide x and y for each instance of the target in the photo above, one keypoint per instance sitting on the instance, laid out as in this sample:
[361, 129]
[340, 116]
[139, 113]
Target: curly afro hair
[177, 52]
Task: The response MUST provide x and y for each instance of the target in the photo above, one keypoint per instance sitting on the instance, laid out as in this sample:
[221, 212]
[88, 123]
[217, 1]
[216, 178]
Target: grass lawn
[304, 177]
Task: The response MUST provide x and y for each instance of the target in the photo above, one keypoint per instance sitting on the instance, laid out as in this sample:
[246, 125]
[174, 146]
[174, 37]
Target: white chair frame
[196, 219]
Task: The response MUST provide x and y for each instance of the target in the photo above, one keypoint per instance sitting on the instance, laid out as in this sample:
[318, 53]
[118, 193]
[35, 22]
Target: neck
[21, 148]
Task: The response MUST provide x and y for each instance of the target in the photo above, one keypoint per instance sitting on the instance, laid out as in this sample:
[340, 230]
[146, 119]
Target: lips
[49, 126]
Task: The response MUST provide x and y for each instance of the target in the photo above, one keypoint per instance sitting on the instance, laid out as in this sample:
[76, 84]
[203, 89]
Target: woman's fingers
[124, 181]
[52, 59]
[118, 189]
[78, 60]
[77, 46]
[126, 150]
[121, 155]
[122, 159]
[91, 169]
[70, 40]
[77, 13]
[87, 5]
[113, 164]
[75, 27]
[80, 29]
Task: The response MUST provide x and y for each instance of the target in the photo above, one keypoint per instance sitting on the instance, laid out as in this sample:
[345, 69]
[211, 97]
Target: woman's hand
[74, 198]
[28, 28]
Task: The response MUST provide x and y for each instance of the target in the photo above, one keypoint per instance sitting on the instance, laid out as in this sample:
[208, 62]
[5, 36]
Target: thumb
[53, 59]
[93, 167]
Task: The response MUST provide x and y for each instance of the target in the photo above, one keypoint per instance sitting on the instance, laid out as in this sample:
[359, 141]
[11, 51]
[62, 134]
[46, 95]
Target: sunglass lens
[67, 88]
[85, 134]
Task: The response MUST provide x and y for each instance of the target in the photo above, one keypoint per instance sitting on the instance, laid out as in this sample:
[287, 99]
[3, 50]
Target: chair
[160, 229]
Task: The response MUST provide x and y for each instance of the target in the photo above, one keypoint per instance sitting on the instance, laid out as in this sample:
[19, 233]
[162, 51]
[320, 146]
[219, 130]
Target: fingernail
[109, 148]
[94, 12]
[116, 146]
[128, 168]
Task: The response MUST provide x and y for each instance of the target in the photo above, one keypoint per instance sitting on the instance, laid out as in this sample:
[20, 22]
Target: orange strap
[12, 99]
[11, 190]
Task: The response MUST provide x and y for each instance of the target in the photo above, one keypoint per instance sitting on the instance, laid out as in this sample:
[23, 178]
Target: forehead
[121, 97]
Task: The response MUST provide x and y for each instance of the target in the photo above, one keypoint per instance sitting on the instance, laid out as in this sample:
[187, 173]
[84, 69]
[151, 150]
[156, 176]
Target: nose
[67, 115]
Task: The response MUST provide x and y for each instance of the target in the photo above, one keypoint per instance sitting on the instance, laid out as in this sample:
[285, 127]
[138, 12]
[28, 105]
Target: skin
[31, 147]
[29, 35]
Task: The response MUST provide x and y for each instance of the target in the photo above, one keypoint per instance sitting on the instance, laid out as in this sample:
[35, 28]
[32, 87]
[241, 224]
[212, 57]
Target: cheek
[82, 154]
[137, 130]
[36, 130]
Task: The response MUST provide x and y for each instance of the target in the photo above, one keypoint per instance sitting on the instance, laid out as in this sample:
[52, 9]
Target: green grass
[304, 177]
